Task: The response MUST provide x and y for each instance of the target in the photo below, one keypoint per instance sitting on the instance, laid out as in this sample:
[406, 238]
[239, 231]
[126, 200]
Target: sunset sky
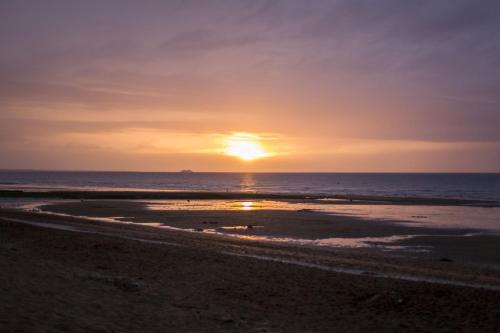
[383, 86]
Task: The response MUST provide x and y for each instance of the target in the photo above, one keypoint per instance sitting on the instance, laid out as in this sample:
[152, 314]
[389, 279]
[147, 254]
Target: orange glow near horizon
[245, 146]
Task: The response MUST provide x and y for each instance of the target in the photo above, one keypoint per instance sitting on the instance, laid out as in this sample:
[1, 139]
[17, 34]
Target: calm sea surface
[464, 186]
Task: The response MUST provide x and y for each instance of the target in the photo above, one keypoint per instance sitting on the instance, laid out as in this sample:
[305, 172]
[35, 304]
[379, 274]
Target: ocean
[429, 185]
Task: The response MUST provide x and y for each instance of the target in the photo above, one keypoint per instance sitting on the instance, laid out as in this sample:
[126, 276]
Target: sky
[291, 86]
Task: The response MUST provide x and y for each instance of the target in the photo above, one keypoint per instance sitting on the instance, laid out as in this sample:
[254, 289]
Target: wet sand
[298, 223]
[63, 274]
[300, 226]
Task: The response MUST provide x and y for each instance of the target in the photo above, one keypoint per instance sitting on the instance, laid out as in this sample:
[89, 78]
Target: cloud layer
[345, 85]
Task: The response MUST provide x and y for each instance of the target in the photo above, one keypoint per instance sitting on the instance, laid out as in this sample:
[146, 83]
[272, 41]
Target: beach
[249, 166]
[64, 273]
[300, 222]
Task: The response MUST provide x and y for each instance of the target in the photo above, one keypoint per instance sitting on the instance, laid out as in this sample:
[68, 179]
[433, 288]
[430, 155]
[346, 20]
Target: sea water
[429, 185]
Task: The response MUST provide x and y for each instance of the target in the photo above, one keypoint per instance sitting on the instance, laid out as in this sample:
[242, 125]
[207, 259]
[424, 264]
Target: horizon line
[261, 172]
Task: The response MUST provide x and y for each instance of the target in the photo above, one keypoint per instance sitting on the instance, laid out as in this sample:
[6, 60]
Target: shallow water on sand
[439, 217]
[487, 218]
[419, 215]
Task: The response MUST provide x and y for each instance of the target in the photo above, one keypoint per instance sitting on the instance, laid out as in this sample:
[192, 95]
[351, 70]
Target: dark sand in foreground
[105, 280]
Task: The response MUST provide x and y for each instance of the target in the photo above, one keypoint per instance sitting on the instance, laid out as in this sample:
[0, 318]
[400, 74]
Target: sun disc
[245, 147]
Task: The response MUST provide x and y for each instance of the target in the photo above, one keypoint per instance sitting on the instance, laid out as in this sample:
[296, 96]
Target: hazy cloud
[420, 71]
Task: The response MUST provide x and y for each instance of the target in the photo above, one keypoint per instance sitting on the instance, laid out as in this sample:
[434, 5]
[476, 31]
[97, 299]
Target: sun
[245, 146]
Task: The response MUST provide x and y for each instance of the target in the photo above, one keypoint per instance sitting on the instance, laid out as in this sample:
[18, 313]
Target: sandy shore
[62, 274]
[306, 227]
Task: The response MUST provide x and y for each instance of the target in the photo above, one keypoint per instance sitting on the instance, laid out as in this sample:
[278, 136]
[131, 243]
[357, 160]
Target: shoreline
[207, 195]
[297, 223]
[368, 258]
[287, 223]
[365, 261]
[211, 283]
